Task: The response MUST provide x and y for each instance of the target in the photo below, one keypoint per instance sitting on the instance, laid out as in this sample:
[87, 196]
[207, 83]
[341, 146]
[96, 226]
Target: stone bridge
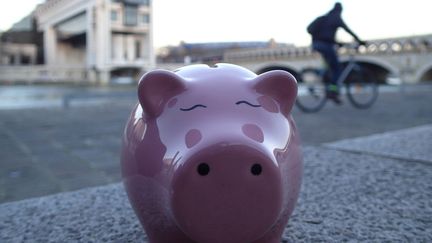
[408, 59]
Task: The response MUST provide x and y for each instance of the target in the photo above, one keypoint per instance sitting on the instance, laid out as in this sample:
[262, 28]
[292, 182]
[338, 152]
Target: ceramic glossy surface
[212, 154]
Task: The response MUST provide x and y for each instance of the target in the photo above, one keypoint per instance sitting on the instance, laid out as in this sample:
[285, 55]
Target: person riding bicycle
[323, 31]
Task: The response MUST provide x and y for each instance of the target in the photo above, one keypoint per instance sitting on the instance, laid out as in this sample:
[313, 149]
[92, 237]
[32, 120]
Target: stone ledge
[345, 197]
[408, 144]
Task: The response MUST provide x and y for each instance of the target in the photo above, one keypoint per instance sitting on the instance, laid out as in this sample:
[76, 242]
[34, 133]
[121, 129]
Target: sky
[250, 20]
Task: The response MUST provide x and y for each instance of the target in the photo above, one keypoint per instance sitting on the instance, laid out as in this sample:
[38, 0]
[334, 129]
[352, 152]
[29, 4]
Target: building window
[145, 18]
[130, 15]
[25, 59]
[114, 15]
[140, 2]
[137, 49]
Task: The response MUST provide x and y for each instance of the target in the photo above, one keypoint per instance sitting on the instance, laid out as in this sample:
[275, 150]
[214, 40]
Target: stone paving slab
[346, 196]
[59, 150]
[53, 150]
[410, 144]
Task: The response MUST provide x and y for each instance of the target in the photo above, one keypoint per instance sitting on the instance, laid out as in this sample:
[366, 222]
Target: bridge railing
[267, 54]
[374, 47]
[42, 74]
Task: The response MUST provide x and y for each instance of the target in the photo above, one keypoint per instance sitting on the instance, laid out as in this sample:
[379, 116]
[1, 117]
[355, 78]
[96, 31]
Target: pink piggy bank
[212, 154]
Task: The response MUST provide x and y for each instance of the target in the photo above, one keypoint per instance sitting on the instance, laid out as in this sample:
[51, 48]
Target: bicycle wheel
[362, 88]
[311, 91]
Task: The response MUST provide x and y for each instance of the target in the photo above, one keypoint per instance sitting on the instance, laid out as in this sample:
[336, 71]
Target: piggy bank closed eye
[212, 154]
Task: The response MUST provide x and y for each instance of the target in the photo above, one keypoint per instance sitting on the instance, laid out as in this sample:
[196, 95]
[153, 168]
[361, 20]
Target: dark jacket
[328, 27]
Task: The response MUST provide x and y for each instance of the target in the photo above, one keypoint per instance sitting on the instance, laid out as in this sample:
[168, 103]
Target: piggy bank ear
[155, 88]
[280, 85]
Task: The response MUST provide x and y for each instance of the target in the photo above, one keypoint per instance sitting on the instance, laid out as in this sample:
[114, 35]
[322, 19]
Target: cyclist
[323, 32]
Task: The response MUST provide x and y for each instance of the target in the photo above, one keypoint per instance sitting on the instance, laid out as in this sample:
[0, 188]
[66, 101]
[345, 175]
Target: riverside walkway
[367, 177]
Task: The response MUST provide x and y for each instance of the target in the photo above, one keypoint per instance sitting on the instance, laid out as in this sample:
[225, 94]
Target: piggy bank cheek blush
[192, 138]
[253, 132]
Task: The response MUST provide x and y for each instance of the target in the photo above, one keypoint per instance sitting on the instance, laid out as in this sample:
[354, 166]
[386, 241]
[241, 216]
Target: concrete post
[17, 58]
[152, 56]
[130, 45]
[102, 37]
[50, 45]
[90, 41]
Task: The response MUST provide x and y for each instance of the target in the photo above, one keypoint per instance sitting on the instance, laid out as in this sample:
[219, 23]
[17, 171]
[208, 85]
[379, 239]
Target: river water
[46, 96]
[51, 96]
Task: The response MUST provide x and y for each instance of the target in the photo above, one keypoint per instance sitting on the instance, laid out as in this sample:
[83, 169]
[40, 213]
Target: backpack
[314, 27]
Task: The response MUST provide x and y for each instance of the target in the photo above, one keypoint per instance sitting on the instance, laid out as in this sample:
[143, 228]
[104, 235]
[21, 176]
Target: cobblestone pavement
[50, 150]
[376, 188]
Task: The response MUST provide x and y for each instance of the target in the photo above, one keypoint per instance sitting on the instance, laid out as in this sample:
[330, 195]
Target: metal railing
[42, 74]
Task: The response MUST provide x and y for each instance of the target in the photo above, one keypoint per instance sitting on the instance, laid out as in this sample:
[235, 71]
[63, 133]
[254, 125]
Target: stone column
[90, 46]
[118, 44]
[130, 47]
[152, 56]
[17, 58]
[90, 42]
[33, 59]
[102, 38]
[50, 45]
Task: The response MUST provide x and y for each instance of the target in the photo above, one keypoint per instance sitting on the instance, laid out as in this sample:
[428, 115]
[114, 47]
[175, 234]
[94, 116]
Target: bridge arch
[379, 68]
[270, 67]
[424, 74]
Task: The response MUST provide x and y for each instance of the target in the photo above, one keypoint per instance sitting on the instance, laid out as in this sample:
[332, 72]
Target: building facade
[210, 52]
[96, 40]
[20, 44]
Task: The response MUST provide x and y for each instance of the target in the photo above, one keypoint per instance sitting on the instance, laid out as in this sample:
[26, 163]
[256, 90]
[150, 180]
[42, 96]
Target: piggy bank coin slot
[203, 169]
[256, 169]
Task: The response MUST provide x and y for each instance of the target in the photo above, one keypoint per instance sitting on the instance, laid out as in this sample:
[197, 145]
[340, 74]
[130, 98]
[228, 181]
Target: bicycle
[360, 85]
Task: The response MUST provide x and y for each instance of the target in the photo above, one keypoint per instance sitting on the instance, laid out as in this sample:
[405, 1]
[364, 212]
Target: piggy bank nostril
[256, 169]
[203, 169]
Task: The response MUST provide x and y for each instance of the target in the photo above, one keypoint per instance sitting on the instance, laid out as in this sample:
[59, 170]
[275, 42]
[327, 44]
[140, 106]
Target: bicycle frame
[347, 70]
[361, 89]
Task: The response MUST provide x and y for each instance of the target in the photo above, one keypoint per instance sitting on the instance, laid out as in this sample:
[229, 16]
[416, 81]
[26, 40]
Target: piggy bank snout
[227, 191]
